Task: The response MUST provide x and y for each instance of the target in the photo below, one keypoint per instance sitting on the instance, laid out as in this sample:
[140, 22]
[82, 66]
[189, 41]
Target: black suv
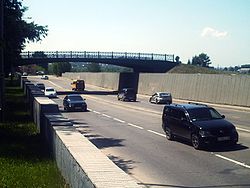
[127, 94]
[197, 123]
[74, 102]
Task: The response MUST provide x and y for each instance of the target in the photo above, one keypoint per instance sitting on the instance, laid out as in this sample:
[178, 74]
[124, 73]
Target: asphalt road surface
[130, 134]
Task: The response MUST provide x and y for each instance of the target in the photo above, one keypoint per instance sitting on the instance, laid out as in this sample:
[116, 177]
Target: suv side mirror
[223, 116]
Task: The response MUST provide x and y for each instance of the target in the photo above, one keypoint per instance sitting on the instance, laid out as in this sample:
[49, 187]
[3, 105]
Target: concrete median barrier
[81, 163]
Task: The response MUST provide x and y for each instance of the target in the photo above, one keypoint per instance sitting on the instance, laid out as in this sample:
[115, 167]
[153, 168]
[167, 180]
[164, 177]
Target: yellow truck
[78, 85]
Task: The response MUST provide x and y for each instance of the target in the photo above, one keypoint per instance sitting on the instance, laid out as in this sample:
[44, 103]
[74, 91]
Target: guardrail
[96, 55]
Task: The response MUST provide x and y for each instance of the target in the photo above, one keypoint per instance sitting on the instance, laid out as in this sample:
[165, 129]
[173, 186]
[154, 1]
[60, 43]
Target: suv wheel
[196, 141]
[169, 134]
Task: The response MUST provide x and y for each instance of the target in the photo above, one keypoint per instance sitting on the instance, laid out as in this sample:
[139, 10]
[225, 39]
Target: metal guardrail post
[112, 55]
[152, 56]
[56, 54]
[139, 55]
[84, 54]
[165, 57]
[126, 55]
[70, 54]
[98, 54]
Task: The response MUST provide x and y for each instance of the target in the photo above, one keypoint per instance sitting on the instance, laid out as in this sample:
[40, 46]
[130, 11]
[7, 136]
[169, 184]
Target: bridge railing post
[139, 56]
[126, 55]
[112, 55]
[165, 57]
[28, 54]
[56, 54]
[98, 54]
[84, 54]
[70, 54]
[152, 56]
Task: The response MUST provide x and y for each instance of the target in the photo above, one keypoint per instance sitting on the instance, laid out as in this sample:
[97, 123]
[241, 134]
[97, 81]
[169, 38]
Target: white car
[44, 77]
[50, 92]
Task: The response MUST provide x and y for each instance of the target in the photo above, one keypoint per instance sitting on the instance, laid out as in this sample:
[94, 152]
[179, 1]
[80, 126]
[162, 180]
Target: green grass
[25, 160]
[191, 69]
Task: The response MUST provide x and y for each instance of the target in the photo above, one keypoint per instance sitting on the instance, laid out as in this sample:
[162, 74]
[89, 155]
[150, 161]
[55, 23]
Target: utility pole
[1, 61]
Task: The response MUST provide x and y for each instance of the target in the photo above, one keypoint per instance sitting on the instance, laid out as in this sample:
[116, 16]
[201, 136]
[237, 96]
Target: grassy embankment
[191, 69]
[25, 160]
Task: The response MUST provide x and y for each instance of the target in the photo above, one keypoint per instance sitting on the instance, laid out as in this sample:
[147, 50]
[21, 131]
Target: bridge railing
[96, 55]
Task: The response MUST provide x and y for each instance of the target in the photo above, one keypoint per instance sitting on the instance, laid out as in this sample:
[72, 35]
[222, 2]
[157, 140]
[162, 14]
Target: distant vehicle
[161, 97]
[78, 85]
[50, 92]
[40, 72]
[127, 94]
[74, 102]
[198, 123]
[41, 86]
[44, 77]
[25, 74]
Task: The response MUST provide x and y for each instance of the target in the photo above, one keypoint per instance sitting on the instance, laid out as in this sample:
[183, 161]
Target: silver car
[161, 97]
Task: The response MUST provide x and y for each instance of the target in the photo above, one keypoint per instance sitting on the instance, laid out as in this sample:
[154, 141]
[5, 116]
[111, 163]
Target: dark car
[127, 94]
[41, 86]
[198, 123]
[161, 97]
[74, 102]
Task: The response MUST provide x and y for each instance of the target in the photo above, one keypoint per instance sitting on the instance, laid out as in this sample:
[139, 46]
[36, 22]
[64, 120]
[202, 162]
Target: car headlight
[204, 133]
[70, 105]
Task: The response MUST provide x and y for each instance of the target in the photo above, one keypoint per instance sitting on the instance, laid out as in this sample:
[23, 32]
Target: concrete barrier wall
[105, 80]
[211, 88]
[81, 163]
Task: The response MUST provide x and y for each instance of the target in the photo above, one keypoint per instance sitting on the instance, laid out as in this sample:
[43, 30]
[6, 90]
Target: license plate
[78, 108]
[223, 138]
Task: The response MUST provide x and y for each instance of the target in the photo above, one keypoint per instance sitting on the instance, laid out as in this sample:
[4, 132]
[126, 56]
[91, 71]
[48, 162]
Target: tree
[59, 68]
[41, 54]
[202, 60]
[94, 67]
[17, 32]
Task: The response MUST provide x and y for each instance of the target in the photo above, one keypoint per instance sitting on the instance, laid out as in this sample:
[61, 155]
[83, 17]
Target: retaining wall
[80, 162]
[211, 88]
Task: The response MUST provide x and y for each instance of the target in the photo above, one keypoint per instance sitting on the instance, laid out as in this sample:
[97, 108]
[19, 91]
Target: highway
[130, 134]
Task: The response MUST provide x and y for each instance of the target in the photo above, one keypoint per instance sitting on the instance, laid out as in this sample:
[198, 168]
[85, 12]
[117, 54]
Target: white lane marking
[56, 85]
[105, 115]
[136, 126]
[96, 112]
[241, 129]
[121, 121]
[233, 161]
[163, 135]
[90, 109]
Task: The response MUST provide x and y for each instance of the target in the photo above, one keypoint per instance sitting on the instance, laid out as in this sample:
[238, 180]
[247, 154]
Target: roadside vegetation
[25, 160]
[193, 69]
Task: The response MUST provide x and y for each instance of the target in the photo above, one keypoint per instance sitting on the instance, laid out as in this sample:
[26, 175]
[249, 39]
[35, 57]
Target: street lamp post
[1, 61]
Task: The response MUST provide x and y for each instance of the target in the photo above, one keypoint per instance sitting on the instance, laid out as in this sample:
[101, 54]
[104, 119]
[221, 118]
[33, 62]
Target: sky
[185, 28]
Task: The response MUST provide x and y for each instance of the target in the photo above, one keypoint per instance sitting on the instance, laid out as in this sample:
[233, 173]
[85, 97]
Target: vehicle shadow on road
[223, 147]
[226, 148]
[86, 92]
[180, 186]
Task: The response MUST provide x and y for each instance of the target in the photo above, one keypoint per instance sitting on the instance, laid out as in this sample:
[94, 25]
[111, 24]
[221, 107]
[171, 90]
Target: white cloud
[211, 32]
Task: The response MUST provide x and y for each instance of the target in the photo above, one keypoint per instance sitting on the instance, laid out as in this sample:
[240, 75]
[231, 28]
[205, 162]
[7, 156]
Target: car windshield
[203, 114]
[164, 94]
[50, 89]
[75, 98]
